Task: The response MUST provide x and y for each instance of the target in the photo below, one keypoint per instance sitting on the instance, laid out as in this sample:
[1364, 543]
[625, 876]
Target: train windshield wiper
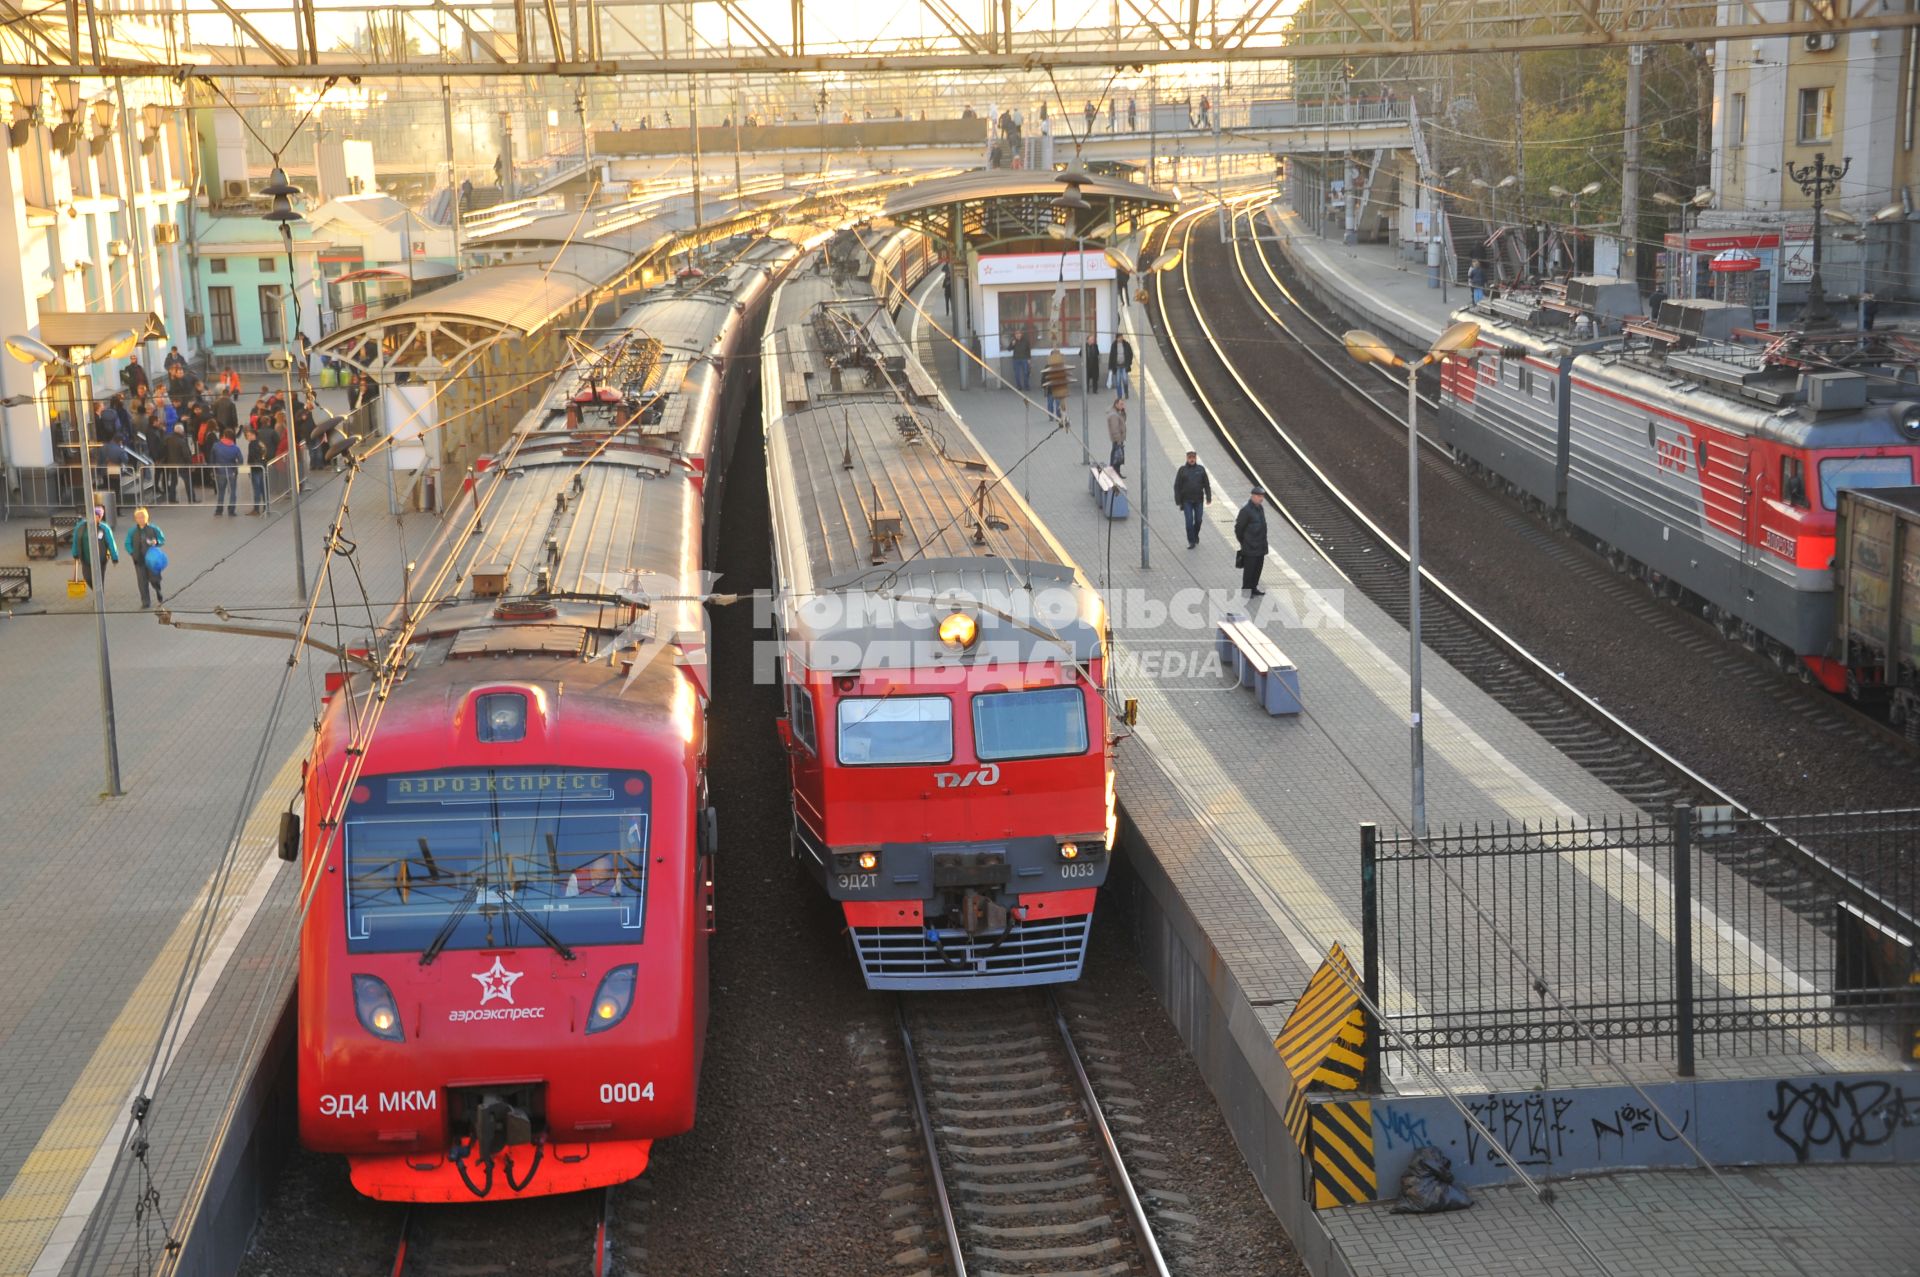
[452, 924]
[538, 928]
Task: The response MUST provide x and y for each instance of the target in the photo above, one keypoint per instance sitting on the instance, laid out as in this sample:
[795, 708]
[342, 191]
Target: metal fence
[1524, 948]
[54, 489]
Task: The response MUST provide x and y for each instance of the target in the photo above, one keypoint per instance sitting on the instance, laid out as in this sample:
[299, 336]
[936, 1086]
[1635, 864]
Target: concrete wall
[1858, 1117]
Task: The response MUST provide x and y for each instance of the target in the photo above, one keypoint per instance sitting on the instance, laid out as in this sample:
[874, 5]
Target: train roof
[882, 496]
[1813, 390]
[586, 557]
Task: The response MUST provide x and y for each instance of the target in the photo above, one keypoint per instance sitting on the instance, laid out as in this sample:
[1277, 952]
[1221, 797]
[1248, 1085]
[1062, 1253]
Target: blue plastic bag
[156, 560]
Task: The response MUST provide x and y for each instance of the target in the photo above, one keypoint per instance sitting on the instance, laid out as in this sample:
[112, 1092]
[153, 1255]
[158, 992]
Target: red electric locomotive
[503, 965]
[943, 661]
[1698, 454]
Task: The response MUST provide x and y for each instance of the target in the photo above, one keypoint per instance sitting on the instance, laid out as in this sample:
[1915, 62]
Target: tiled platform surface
[1757, 1222]
[98, 897]
[1255, 820]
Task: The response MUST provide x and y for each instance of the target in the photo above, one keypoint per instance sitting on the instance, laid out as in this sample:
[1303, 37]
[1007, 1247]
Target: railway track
[1024, 1169]
[1651, 777]
[1653, 602]
[524, 1236]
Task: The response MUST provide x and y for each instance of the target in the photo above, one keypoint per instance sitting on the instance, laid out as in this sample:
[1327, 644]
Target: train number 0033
[1079, 871]
[625, 1092]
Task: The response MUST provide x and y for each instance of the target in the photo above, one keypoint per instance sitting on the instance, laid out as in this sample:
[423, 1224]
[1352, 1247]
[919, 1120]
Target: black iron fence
[1521, 948]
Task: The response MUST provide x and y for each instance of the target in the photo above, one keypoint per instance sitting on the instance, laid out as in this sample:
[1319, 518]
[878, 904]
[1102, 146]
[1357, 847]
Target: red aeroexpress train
[943, 660]
[508, 847]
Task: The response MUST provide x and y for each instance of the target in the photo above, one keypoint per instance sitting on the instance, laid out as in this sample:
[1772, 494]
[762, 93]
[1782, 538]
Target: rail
[1009, 1060]
[418, 1241]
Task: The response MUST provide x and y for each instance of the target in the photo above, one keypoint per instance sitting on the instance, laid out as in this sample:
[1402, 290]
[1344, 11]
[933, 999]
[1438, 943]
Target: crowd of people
[194, 439]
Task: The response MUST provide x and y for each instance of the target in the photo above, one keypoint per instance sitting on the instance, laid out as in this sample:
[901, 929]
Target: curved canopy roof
[1002, 204]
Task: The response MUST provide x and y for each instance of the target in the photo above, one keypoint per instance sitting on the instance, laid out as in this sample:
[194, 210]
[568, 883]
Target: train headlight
[503, 717]
[613, 999]
[373, 1003]
[958, 631]
[1907, 416]
[1069, 851]
[869, 860]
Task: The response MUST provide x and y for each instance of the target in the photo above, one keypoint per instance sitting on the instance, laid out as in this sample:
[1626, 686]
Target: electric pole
[1630, 178]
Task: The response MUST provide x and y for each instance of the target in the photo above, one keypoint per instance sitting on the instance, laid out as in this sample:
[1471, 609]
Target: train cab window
[800, 715]
[1837, 473]
[892, 730]
[1042, 722]
[1793, 481]
[1523, 377]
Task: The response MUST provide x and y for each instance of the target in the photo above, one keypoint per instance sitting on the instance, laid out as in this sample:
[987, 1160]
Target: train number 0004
[625, 1092]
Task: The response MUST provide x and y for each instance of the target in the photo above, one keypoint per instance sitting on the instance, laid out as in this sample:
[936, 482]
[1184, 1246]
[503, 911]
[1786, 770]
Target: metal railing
[56, 489]
[1522, 948]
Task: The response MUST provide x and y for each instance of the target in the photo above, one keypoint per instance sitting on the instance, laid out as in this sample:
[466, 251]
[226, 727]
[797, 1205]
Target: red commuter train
[943, 662]
[1699, 455]
[503, 963]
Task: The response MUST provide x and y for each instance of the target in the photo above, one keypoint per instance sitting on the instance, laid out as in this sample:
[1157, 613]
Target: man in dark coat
[225, 414]
[1192, 489]
[1250, 530]
[176, 453]
[1022, 360]
[1090, 357]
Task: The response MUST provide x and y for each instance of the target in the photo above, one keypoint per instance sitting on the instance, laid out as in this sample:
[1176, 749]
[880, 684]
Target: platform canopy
[996, 205]
[66, 331]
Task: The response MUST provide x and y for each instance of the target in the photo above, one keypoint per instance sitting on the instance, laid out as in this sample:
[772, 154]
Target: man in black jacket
[1192, 489]
[1250, 530]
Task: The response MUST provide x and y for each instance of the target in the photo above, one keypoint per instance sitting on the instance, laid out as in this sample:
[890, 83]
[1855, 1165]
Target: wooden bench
[1109, 491]
[1259, 664]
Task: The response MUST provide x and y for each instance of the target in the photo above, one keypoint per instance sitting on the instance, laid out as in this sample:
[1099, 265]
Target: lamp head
[1891, 213]
[1166, 261]
[1841, 216]
[1369, 349]
[115, 346]
[1671, 201]
[1118, 259]
[103, 115]
[1702, 197]
[1450, 174]
[66, 91]
[1590, 188]
[29, 351]
[1561, 192]
[1506, 181]
[1455, 339]
[1479, 181]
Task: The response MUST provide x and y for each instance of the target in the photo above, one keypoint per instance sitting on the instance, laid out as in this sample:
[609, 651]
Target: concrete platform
[1243, 828]
[1371, 283]
[100, 898]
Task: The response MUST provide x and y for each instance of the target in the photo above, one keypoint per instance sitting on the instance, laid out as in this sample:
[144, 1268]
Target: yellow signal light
[959, 630]
[606, 1009]
[869, 859]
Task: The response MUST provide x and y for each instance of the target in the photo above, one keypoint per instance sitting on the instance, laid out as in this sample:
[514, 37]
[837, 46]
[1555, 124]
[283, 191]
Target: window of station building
[272, 326]
[891, 730]
[268, 265]
[1033, 310]
[217, 265]
[220, 313]
[1816, 115]
[1793, 481]
[1041, 722]
[1838, 473]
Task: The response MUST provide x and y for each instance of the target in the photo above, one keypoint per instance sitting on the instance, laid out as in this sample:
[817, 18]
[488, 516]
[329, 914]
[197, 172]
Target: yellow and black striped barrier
[1323, 1043]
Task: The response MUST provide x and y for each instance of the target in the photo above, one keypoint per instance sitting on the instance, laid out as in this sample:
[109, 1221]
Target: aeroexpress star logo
[497, 982]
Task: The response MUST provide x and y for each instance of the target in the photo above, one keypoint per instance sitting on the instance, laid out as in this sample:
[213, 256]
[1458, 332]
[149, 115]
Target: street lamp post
[1121, 260]
[283, 213]
[118, 346]
[1817, 179]
[1074, 204]
[1369, 349]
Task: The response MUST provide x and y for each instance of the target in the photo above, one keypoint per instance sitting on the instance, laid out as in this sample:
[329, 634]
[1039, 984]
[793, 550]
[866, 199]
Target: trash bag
[156, 560]
[1427, 1187]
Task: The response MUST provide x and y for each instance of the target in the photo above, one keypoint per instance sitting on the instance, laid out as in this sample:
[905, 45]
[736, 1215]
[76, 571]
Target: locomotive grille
[1040, 952]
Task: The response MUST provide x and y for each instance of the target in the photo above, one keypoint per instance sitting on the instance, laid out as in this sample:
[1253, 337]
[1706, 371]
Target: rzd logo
[988, 775]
